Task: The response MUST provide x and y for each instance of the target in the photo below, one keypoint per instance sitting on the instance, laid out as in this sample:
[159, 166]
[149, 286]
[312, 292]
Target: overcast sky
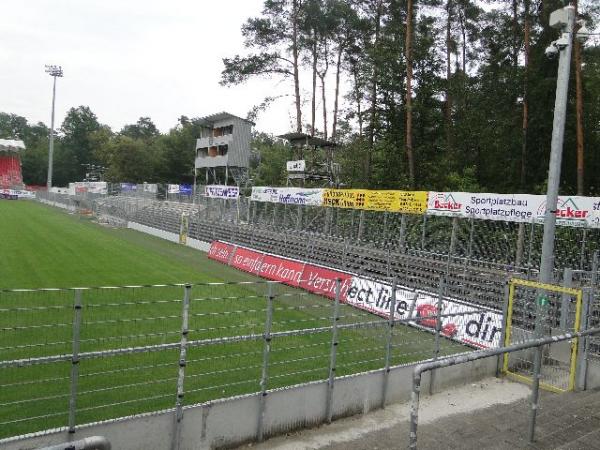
[130, 58]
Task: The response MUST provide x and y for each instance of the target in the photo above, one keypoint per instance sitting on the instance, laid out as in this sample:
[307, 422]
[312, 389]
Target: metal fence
[75, 356]
[474, 257]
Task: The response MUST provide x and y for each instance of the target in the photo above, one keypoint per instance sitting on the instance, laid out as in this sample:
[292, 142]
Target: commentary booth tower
[10, 164]
[223, 149]
[312, 161]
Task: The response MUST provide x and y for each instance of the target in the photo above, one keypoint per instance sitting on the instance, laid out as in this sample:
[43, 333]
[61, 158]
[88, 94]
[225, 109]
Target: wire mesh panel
[34, 398]
[540, 310]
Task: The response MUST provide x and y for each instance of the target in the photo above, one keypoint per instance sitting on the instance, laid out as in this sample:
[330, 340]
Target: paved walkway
[493, 414]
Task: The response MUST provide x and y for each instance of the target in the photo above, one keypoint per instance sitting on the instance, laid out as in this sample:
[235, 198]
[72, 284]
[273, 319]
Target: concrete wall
[173, 237]
[233, 421]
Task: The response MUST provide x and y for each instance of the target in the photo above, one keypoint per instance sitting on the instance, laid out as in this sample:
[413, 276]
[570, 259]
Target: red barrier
[220, 251]
[281, 269]
[319, 280]
[247, 260]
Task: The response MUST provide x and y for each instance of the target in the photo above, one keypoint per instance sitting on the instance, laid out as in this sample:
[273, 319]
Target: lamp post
[53, 71]
[564, 20]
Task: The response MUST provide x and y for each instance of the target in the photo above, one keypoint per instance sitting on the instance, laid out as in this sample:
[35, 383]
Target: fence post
[530, 247]
[327, 224]
[77, 307]
[402, 238]
[333, 352]
[182, 363]
[423, 231]
[586, 324]
[583, 244]
[299, 219]
[581, 370]
[504, 325]
[520, 245]
[470, 247]
[566, 299]
[438, 330]
[264, 379]
[388, 346]
[361, 224]
[385, 226]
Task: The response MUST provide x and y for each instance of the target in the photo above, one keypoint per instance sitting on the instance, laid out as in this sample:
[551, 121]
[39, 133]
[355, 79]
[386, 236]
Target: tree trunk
[338, 66]
[324, 100]
[295, 62]
[579, 111]
[409, 74]
[375, 74]
[448, 112]
[358, 96]
[314, 86]
[525, 126]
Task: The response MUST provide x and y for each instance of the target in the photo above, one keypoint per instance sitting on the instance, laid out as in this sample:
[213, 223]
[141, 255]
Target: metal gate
[559, 310]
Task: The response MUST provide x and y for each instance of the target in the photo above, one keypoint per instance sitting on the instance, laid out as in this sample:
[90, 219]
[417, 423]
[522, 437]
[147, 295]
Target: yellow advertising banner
[345, 198]
[410, 202]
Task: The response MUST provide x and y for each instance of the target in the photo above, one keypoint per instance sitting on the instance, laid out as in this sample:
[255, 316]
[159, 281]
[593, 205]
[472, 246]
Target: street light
[564, 20]
[53, 71]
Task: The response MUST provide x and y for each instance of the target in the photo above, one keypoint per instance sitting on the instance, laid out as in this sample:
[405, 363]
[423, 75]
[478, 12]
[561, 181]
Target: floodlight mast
[53, 71]
[564, 20]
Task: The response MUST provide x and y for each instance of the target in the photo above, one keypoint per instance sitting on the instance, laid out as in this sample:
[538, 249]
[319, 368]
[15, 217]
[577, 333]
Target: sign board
[463, 322]
[296, 166]
[226, 192]
[293, 196]
[571, 210]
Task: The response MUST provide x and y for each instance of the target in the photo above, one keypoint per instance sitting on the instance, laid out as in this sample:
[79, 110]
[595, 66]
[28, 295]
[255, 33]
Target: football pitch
[42, 247]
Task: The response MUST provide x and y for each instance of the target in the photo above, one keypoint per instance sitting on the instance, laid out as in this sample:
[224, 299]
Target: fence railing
[74, 356]
[474, 256]
[462, 359]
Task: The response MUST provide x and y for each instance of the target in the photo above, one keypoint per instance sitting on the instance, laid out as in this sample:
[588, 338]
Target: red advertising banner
[319, 280]
[220, 251]
[281, 269]
[247, 260]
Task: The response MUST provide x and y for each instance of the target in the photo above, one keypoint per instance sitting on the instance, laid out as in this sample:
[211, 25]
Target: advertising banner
[247, 260]
[293, 196]
[226, 192]
[150, 188]
[281, 269]
[344, 198]
[480, 329]
[172, 189]
[467, 323]
[128, 187]
[571, 210]
[320, 280]
[221, 251]
[410, 202]
[185, 189]
[8, 194]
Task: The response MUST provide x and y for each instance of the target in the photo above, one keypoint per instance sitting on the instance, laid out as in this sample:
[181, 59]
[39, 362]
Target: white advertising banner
[481, 329]
[226, 192]
[150, 188]
[294, 196]
[173, 189]
[98, 187]
[571, 211]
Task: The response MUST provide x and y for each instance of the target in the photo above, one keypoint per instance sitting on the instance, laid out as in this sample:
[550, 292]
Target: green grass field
[42, 247]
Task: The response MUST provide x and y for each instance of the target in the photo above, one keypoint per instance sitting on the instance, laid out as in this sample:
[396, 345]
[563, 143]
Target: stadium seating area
[10, 171]
[476, 282]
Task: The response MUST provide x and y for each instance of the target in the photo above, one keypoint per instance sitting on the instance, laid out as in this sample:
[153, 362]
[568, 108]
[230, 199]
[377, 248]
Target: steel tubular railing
[420, 369]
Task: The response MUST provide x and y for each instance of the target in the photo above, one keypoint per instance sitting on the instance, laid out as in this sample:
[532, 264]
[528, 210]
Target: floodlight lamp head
[54, 71]
[559, 19]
